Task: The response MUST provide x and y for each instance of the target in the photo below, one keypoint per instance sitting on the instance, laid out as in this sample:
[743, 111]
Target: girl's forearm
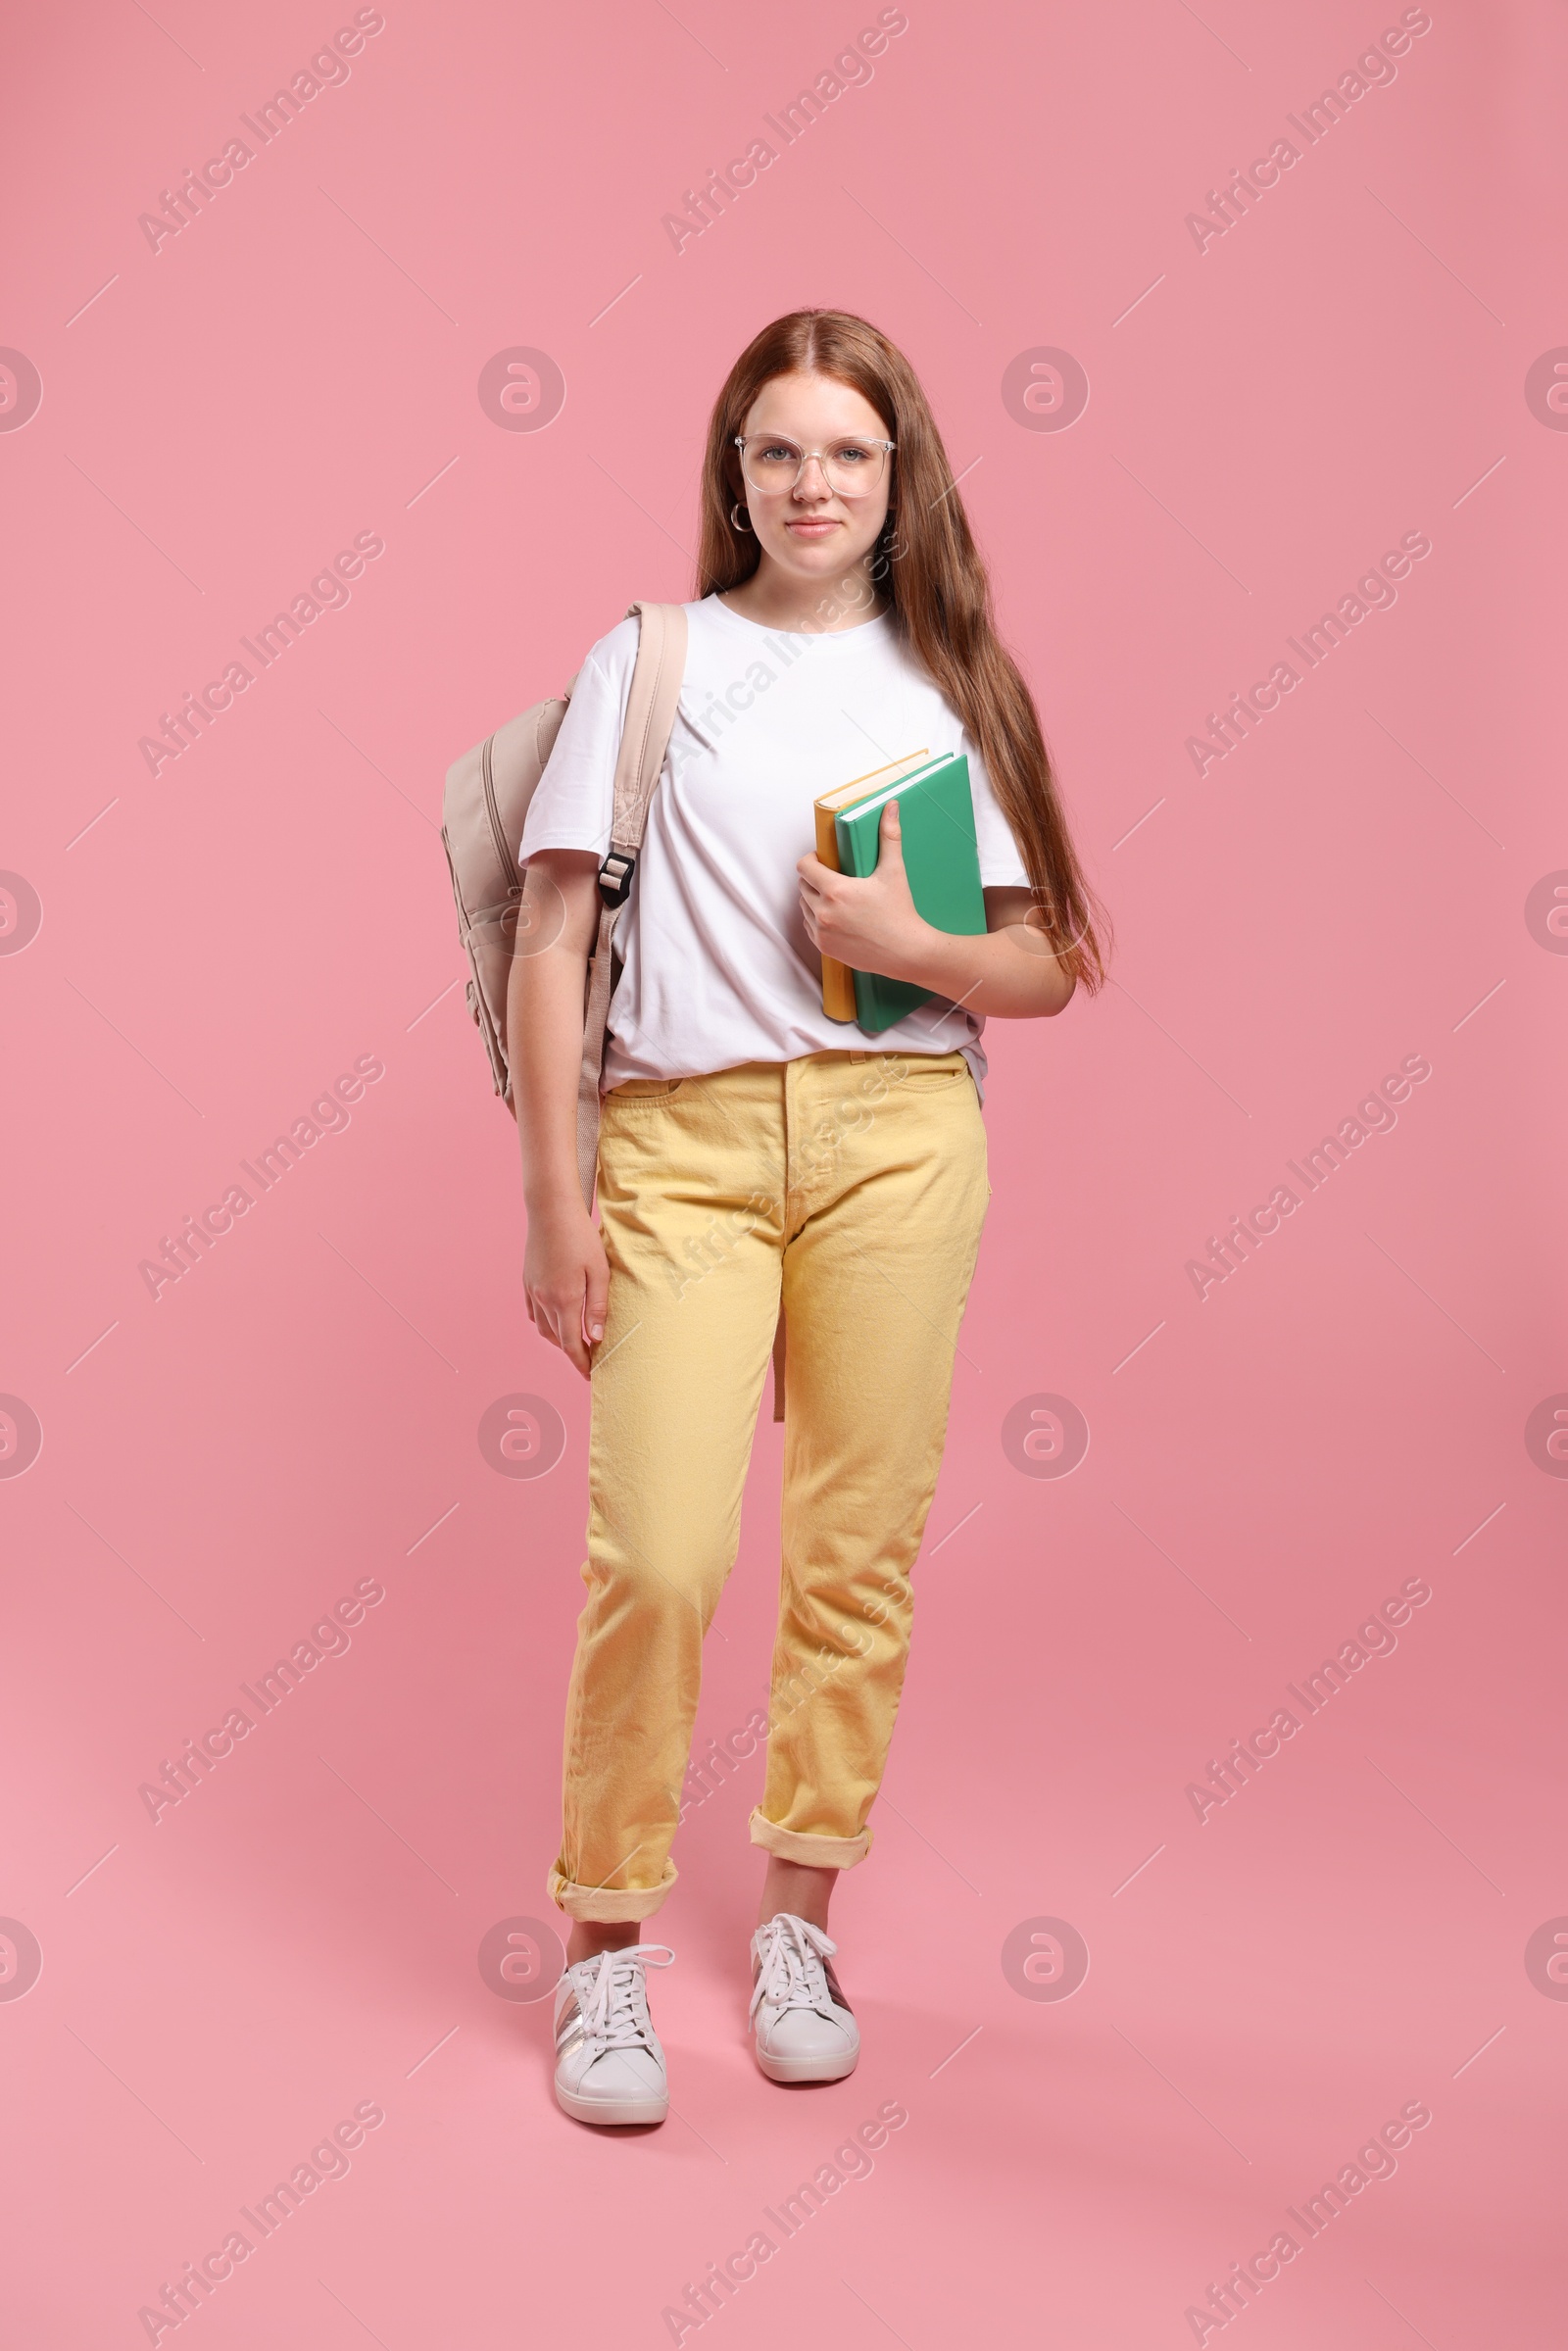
[544, 1033]
[544, 1026]
[1005, 974]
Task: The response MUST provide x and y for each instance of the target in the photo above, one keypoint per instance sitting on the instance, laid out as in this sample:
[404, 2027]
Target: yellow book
[838, 980]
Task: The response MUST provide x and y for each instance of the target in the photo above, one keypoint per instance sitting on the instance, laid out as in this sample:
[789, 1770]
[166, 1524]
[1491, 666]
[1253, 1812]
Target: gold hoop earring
[735, 517]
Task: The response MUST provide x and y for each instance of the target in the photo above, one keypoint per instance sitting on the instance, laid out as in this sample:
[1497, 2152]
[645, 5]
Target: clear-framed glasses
[851, 467]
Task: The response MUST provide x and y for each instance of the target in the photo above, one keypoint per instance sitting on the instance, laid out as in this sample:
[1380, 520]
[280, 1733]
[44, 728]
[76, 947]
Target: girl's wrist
[554, 1200]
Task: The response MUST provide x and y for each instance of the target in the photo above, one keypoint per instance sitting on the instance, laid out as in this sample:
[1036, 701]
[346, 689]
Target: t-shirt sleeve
[575, 800]
[1000, 866]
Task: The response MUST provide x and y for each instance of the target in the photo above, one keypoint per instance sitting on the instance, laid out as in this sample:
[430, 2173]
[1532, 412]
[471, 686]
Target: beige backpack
[482, 811]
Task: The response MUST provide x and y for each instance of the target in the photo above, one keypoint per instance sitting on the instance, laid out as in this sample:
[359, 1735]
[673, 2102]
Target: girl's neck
[775, 599]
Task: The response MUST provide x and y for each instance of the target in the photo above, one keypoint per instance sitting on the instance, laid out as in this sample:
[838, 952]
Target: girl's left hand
[872, 925]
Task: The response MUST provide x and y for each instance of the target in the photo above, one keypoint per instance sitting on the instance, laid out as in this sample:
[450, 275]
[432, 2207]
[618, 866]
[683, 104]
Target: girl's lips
[813, 531]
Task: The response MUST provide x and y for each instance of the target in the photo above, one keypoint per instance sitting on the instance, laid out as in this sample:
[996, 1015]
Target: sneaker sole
[610, 2110]
[808, 2069]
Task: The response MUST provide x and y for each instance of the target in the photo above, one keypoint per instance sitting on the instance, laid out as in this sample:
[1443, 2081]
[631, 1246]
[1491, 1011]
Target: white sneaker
[610, 2067]
[803, 2027]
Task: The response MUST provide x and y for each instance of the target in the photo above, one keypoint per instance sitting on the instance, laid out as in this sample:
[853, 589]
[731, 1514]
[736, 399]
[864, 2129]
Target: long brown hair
[928, 567]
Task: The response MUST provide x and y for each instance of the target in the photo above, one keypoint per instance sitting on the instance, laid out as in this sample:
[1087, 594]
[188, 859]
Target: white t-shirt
[718, 968]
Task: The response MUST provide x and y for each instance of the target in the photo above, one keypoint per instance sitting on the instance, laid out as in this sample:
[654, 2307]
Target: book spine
[838, 981]
[851, 839]
[872, 1014]
[859, 844]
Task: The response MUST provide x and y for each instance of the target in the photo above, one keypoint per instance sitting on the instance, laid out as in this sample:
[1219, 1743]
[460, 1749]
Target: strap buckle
[615, 877]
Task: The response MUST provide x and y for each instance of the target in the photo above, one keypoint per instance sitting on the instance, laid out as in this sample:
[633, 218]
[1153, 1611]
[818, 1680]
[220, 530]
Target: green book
[936, 814]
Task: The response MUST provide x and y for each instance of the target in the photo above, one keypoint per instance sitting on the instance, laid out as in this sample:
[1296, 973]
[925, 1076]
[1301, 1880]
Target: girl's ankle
[590, 1936]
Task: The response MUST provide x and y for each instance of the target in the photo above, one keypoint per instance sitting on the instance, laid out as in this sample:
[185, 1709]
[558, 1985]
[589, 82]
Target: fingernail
[597, 1331]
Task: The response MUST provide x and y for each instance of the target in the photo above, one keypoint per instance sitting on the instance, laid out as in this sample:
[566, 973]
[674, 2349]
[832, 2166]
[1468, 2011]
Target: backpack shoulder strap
[650, 721]
[655, 685]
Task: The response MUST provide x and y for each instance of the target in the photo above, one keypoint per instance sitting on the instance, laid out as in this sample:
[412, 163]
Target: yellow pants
[853, 1183]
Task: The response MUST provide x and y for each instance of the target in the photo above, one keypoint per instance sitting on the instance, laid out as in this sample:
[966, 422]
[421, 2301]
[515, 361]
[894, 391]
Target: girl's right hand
[566, 1279]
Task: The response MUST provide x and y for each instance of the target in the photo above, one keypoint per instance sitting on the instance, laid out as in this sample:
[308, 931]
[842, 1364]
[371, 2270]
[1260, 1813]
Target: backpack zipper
[510, 880]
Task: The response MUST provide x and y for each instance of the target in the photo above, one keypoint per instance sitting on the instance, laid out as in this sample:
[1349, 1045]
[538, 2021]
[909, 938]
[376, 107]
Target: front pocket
[930, 1073]
[645, 1089]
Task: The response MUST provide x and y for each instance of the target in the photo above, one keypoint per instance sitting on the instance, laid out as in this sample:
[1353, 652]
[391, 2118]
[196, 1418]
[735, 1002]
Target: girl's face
[808, 530]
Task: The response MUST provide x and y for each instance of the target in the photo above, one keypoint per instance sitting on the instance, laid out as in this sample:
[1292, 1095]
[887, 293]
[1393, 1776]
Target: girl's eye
[777, 453]
[852, 453]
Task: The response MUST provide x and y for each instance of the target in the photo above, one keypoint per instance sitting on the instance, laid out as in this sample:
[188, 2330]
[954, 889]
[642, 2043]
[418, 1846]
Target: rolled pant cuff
[811, 1852]
[609, 1905]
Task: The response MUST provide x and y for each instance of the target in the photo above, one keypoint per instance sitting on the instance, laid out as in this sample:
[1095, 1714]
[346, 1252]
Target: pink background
[217, 942]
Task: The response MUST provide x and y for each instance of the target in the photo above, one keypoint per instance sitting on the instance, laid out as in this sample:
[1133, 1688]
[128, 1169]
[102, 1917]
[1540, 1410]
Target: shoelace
[791, 1972]
[610, 2012]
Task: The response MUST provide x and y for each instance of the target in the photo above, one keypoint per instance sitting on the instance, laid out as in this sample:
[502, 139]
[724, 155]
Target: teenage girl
[755, 1154]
